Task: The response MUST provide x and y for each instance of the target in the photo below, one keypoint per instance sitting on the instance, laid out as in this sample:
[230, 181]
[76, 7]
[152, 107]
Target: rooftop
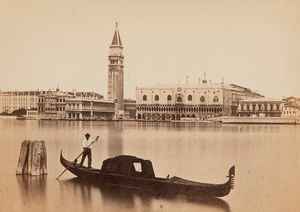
[186, 86]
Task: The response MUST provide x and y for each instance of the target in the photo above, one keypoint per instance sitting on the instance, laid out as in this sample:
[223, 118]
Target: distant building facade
[129, 109]
[290, 112]
[31, 114]
[260, 107]
[116, 73]
[14, 100]
[293, 102]
[291, 107]
[197, 101]
[53, 104]
[89, 109]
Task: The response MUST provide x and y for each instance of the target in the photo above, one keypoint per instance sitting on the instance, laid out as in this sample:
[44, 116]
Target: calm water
[267, 159]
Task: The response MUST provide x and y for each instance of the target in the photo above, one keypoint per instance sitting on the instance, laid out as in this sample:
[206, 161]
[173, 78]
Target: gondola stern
[61, 157]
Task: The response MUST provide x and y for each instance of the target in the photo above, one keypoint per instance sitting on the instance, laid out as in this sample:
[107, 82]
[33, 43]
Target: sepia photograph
[150, 106]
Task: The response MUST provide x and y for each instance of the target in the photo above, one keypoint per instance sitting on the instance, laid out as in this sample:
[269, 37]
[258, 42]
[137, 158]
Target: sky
[65, 43]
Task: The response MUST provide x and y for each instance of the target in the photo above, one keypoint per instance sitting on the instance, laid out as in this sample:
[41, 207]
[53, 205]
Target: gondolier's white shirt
[86, 143]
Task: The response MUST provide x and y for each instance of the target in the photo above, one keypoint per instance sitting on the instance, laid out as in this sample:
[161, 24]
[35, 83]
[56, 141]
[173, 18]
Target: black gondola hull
[174, 186]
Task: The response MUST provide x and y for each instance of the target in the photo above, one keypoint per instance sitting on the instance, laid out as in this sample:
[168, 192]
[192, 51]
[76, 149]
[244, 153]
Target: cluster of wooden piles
[33, 158]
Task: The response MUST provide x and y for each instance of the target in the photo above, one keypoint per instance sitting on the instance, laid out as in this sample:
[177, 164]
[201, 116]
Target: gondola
[133, 172]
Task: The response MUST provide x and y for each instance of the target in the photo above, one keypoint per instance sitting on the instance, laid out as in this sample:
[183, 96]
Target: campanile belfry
[116, 73]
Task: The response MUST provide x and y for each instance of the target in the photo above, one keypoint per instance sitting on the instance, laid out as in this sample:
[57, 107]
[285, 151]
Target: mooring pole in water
[32, 158]
[76, 159]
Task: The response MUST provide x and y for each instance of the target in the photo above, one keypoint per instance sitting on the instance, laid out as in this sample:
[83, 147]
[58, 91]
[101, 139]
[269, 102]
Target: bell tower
[116, 73]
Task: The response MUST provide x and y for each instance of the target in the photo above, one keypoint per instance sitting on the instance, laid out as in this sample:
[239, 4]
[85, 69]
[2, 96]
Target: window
[169, 98]
[156, 98]
[190, 98]
[144, 98]
[216, 99]
[179, 99]
[137, 167]
[202, 99]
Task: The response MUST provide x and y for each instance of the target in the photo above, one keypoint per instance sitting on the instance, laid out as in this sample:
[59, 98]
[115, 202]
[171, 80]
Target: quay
[260, 120]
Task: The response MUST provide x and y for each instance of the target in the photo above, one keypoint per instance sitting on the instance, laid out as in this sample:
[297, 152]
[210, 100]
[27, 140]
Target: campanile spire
[116, 39]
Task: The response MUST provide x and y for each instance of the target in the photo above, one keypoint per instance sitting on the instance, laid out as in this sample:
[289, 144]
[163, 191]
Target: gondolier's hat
[87, 135]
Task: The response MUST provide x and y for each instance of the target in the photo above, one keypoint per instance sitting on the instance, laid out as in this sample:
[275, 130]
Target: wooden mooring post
[32, 158]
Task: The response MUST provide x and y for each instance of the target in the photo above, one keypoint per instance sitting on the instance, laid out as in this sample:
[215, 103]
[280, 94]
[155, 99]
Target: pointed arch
[216, 99]
[202, 99]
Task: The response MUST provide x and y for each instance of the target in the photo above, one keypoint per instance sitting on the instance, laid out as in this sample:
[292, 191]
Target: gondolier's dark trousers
[86, 152]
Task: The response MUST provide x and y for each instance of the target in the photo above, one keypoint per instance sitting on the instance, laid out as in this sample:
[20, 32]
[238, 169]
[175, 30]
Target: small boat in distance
[132, 172]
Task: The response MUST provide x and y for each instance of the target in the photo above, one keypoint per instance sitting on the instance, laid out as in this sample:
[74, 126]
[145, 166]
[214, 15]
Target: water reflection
[58, 124]
[217, 126]
[32, 189]
[115, 139]
[132, 199]
[157, 124]
[200, 152]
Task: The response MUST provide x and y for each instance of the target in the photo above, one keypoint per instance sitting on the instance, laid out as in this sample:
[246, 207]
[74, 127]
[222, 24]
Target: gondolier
[87, 150]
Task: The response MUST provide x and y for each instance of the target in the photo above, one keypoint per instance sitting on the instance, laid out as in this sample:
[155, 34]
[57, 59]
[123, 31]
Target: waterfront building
[293, 102]
[290, 112]
[129, 109]
[260, 107]
[32, 114]
[291, 107]
[116, 73]
[193, 101]
[89, 109]
[52, 104]
[14, 100]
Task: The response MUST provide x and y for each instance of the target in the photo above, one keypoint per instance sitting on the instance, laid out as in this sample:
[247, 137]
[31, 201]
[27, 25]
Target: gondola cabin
[128, 166]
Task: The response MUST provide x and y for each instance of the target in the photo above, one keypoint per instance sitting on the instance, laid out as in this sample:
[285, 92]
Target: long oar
[76, 159]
